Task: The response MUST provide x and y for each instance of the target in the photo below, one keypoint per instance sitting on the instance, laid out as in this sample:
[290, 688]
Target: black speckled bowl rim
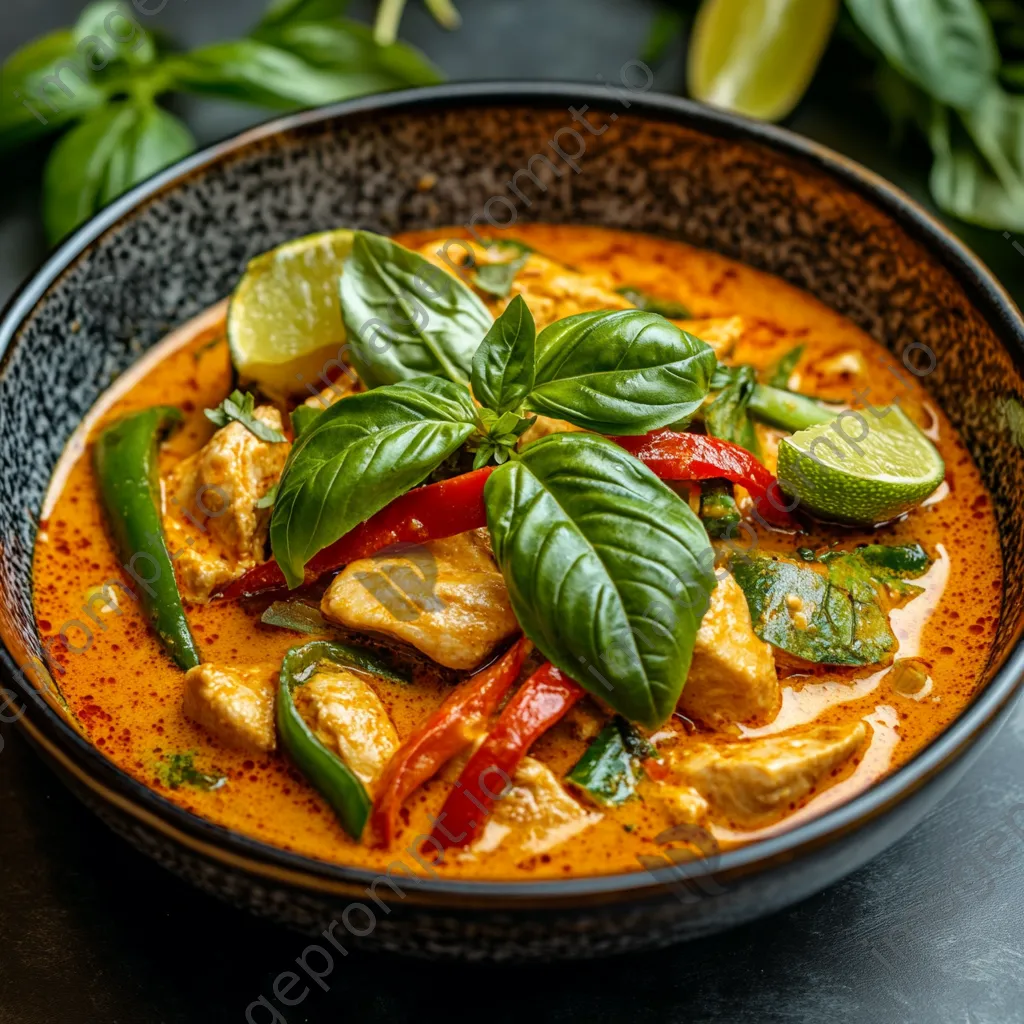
[988, 709]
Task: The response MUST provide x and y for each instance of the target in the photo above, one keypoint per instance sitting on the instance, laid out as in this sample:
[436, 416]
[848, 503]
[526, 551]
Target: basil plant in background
[99, 82]
[952, 70]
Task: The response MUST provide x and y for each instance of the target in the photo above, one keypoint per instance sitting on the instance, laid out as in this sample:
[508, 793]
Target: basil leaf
[505, 362]
[728, 416]
[303, 416]
[622, 371]
[350, 45]
[496, 278]
[610, 769]
[292, 12]
[158, 139]
[75, 177]
[978, 173]
[783, 370]
[268, 499]
[652, 304]
[834, 611]
[405, 316]
[945, 46]
[43, 86]
[359, 455]
[102, 34]
[904, 560]
[718, 511]
[608, 572]
[242, 409]
[257, 72]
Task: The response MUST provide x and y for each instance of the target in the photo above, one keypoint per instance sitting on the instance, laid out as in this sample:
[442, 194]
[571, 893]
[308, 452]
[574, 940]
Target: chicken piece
[732, 676]
[344, 385]
[682, 805]
[534, 815]
[721, 333]
[214, 529]
[551, 289]
[751, 782]
[236, 704]
[447, 598]
[542, 426]
[349, 719]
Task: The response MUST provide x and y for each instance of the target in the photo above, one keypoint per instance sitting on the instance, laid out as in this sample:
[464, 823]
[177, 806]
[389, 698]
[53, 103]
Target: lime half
[758, 56]
[284, 320]
[863, 467]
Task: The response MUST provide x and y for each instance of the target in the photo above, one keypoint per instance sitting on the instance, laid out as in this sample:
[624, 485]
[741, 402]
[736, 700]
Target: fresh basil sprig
[359, 455]
[608, 571]
[241, 408]
[405, 317]
[623, 371]
[504, 365]
[104, 75]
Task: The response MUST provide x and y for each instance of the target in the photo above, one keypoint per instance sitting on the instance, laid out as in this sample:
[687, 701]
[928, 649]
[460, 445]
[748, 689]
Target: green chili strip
[786, 409]
[304, 618]
[338, 784]
[125, 460]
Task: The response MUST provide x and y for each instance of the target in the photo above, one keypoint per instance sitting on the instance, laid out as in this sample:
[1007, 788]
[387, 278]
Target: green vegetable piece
[834, 611]
[610, 769]
[906, 560]
[359, 455]
[241, 408]
[305, 618]
[125, 462]
[496, 278]
[623, 371]
[338, 784]
[718, 511]
[728, 416]
[505, 363]
[779, 377]
[787, 410]
[608, 572]
[405, 316]
[652, 304]
[180, 770]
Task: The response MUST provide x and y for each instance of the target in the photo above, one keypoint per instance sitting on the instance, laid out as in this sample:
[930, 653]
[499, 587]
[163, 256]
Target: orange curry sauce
[126, 694]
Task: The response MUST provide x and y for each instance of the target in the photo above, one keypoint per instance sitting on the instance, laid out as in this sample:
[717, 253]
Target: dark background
[932, 932]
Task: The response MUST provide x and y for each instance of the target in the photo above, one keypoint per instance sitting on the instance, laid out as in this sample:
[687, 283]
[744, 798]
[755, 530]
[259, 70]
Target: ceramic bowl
[505, 154]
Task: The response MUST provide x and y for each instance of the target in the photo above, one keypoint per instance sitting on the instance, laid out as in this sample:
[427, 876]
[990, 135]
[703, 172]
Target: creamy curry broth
[127, 695]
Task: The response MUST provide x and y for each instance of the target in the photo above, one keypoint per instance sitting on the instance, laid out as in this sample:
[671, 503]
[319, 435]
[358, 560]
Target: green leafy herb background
[947, 74]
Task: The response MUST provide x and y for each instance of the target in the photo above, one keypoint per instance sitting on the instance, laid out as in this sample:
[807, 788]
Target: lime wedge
[284, 320]
[862, 467]
[757, 56]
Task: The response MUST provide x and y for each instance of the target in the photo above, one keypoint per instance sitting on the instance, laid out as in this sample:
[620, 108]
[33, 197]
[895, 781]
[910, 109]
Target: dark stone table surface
[932, 932]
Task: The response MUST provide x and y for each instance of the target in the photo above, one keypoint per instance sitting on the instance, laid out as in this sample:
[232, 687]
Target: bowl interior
[668, 169]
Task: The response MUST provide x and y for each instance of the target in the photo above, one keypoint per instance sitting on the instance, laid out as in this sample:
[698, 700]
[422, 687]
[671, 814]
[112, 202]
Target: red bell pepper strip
[536, 706]
[679, 455]
[424, 513]
[446, 733]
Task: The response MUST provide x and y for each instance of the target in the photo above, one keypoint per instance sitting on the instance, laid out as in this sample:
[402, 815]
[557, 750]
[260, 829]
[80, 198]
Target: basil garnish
[835, 610]
[608, 572]
[728, 416]
[405, 317]
[496, 278]
[241, 407]
[357, 456]
[621, 371]
[645, 300]
[503, 367]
